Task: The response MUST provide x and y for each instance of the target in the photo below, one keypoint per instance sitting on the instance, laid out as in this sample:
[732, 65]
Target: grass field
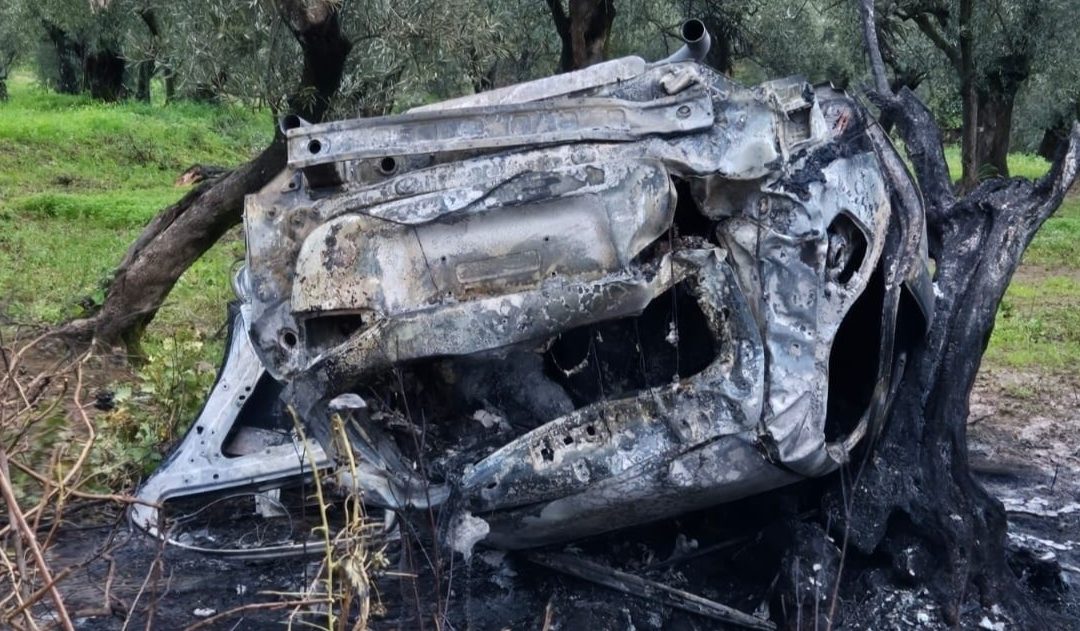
[78, 179]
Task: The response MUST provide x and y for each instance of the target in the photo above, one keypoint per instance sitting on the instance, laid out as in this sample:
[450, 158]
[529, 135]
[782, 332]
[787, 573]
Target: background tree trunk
[69, 54]
[995, 125]
[180, 234]
[103, 74]
[148, 67]
[583, 30]
[145, 75]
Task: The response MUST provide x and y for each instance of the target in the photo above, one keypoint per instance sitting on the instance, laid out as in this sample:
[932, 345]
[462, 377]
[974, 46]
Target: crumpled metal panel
[500, 221]
[579, 221]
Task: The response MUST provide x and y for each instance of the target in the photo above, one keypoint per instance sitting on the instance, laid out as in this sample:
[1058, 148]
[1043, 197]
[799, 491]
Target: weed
[154, 410]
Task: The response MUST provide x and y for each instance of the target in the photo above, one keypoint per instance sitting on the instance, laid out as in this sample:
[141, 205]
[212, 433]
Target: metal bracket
[499, 126]
[214, 456]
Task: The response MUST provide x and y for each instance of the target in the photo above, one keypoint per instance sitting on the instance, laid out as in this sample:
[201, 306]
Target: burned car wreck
[570, 305]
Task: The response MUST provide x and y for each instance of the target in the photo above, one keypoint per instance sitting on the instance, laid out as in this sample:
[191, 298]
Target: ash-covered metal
[670, 290]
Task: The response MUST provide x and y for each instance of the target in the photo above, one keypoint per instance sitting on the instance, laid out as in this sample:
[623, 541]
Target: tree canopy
[1013, 58]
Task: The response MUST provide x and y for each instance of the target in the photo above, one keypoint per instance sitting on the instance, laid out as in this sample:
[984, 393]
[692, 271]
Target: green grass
[78, 180]
[1057, 244]
[1020, 164]
[60, 143]
[1038, 324]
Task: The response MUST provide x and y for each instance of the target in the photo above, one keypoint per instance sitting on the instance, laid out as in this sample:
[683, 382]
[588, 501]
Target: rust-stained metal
[775, 224]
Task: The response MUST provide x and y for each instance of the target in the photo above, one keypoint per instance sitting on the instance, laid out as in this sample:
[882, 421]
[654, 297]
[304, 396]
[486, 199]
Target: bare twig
[285, 604]
[31, 541]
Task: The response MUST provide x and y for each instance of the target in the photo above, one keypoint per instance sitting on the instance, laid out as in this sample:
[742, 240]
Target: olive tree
[15, 37]
[993, 48]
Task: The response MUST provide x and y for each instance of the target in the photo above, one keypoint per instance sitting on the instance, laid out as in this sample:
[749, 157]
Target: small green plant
[154, 410]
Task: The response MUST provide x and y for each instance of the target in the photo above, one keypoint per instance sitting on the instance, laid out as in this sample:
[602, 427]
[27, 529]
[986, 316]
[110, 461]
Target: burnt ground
[1024, 446]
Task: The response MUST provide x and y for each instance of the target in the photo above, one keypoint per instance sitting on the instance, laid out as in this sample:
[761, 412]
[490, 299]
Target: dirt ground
[1024, 442]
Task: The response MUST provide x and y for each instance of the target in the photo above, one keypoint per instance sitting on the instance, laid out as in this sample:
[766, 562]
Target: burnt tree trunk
[917, 501]
[583, 29]
[914, 501]
[181, 233]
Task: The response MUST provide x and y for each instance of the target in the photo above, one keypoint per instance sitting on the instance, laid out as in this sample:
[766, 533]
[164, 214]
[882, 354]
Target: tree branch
[937, 38]
[1053, 186]
[562, 23]
[873, 48]
[921, 135]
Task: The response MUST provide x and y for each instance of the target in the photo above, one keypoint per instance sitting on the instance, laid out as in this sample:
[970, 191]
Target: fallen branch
[649, 590]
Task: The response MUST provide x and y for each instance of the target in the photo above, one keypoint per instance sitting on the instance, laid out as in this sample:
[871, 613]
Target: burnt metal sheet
[575, 222]
[494, 127]
[772, 217]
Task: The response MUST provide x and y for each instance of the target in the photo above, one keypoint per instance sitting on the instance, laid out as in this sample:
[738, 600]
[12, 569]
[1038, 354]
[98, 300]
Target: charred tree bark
[181, 233]
[914, 501]
[583, 30]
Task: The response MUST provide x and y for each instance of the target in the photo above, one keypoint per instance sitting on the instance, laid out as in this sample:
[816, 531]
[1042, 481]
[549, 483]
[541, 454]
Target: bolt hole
[492, 485]
[216, 476]
[547, 454]
[546, 239]
[387, 165]
[288, 339]
[568, 440]
[314, 146]
[198, 428]
[590, 430]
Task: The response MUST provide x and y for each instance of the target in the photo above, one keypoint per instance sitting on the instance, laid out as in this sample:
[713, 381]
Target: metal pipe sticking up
[697, 45]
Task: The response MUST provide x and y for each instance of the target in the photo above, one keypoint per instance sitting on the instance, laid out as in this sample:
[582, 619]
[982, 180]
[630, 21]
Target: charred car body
[598, 299]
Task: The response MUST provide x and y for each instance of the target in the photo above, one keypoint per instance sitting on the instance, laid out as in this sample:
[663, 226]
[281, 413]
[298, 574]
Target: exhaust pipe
[697, 45]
